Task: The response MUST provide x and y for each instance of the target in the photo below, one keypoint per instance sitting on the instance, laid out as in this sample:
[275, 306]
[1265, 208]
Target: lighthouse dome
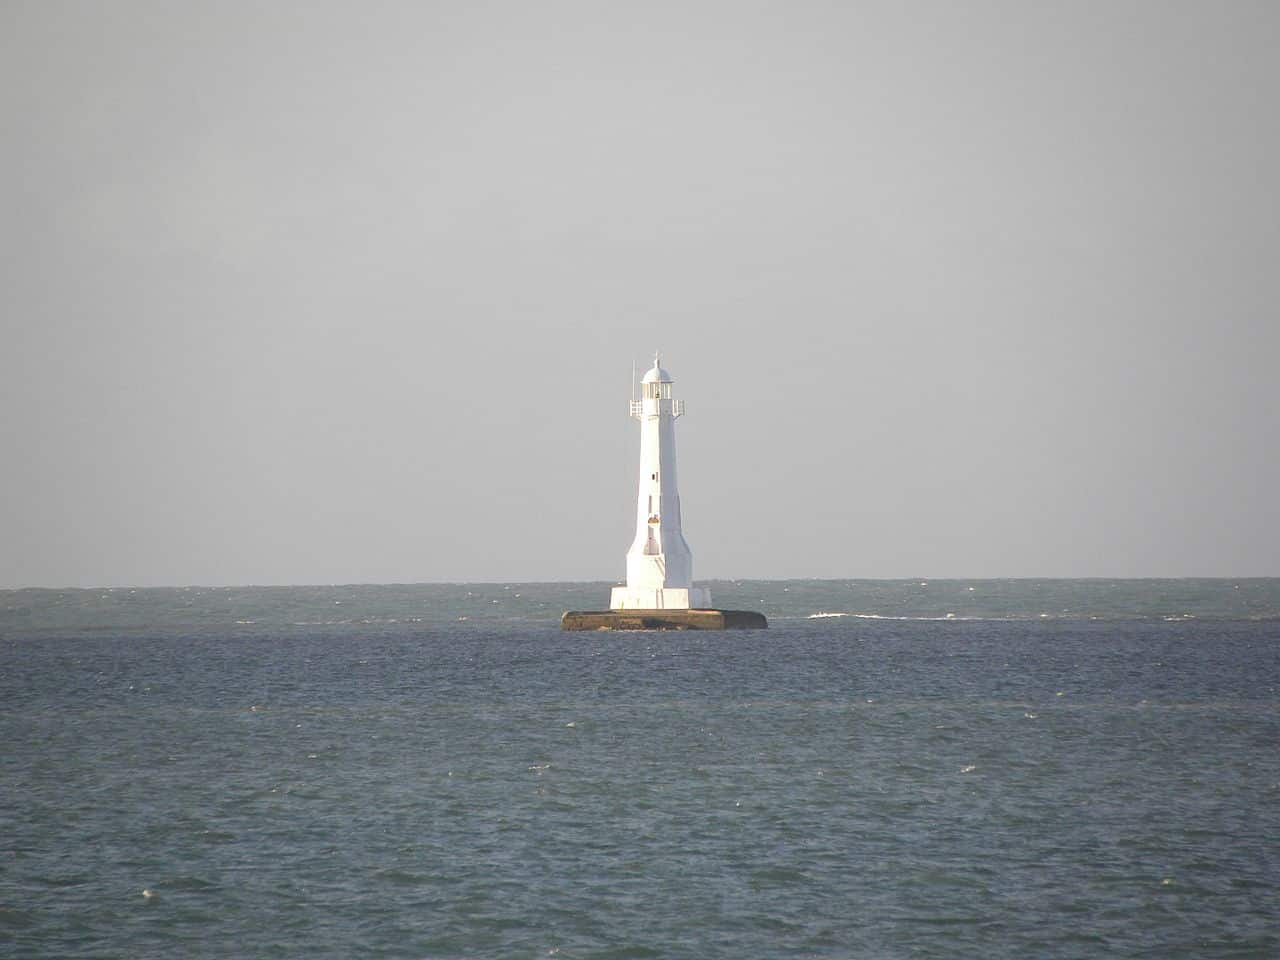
[657, 375]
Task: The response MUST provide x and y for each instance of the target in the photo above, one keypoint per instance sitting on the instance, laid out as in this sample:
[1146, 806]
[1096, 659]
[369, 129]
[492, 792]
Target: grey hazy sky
[318, 292]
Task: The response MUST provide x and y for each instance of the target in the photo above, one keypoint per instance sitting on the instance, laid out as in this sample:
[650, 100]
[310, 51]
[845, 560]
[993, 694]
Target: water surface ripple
[833, 787]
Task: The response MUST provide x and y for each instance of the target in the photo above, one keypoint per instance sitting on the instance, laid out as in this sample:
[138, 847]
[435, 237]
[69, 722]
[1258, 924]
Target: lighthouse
[659, 563]
[659, 593]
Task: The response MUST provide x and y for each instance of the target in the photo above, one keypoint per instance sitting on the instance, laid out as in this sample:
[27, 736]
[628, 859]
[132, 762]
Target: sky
[351, 292]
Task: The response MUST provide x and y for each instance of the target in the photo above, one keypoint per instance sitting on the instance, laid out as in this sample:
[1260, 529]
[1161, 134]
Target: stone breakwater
[663, 620]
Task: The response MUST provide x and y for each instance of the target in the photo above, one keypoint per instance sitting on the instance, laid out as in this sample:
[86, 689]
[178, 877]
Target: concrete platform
[663, 620]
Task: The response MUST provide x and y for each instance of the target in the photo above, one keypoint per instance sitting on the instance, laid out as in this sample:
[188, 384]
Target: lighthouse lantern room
[659, 563]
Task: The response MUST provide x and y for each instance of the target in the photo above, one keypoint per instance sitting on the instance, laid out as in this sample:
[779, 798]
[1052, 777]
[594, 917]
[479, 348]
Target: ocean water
[894, 769]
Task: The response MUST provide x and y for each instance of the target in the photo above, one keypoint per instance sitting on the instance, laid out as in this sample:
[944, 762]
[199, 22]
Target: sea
[910, 768]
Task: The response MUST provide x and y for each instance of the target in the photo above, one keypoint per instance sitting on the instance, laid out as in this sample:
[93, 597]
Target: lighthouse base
[663, 620]
[660, 598]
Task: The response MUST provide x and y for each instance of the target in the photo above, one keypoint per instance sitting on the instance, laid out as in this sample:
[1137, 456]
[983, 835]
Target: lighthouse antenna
[633, 379]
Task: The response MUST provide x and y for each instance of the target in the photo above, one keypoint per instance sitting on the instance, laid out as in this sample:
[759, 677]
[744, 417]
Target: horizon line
[445, 583]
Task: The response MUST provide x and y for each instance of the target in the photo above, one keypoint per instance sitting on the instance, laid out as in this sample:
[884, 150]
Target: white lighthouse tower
[659, 563]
